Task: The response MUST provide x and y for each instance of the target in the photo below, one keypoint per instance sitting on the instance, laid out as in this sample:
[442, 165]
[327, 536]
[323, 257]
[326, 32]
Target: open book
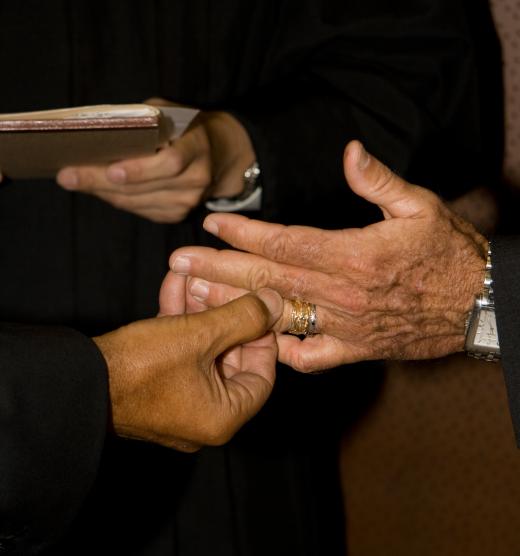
[38, 144]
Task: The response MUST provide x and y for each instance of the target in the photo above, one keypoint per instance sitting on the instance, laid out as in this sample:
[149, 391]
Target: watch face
[486, 334]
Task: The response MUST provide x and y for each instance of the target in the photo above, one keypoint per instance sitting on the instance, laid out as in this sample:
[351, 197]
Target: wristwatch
[249, 200]
[481, 327]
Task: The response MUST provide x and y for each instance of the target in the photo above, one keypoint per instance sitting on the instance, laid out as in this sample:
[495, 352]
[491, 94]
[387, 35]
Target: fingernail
[272, 301]
[363, 158]
[210, 226]
[181, 265]
[116, 174]
[68, 179]
[199, 289]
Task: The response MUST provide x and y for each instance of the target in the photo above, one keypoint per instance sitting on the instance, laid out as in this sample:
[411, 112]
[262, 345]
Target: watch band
[250, 199]
[481, 329]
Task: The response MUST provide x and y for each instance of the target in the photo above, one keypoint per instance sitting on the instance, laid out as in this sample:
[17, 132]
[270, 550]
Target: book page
[100, 111]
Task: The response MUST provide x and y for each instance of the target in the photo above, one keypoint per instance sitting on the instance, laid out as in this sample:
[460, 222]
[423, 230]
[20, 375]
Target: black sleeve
[506, 269]
[53, 419]
[400, 75]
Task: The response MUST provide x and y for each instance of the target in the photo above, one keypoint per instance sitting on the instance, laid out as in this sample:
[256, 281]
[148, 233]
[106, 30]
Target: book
[38, 144]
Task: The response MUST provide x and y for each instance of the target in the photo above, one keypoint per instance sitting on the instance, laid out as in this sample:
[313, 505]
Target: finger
[166, 206]
[186, 182]
[166, 163]
[241, 320]
[376, 183]
[94, 180]
[251, 272]
[210, 294]
[317, 353]
[213, 294]
[84, 178]
[312, 248]
[194, 306]
[250, 388]
[246, 357]
[172, 295]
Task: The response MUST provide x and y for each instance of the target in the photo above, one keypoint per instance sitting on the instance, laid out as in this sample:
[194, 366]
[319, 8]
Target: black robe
[304, 77]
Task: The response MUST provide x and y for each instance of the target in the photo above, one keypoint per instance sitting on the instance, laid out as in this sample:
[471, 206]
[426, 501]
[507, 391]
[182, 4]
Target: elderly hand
[210, 157]
[176, 381]
[398, 289]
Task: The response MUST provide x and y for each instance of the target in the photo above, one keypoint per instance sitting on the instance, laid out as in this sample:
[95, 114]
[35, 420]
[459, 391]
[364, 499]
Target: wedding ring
[303, 318]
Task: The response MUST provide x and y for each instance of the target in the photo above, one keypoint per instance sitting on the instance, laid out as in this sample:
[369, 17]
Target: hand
[398, 289]
[209, 158]
[176, 381]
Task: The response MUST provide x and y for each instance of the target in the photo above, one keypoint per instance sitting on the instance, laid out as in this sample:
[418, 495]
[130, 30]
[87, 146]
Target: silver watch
[481, 327]
[249, 200]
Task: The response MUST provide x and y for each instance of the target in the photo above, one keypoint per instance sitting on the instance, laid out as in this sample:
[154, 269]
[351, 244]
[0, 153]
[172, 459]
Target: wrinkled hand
[398, 289]
[176, 381]
[209, 158]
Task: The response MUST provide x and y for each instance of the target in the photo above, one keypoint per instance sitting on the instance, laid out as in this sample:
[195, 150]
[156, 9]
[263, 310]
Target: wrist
[250, 197]
[232, 153]
[112, 355]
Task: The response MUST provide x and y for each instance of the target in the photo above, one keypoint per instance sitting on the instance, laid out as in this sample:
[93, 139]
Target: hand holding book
[127, 158]
[209, 158]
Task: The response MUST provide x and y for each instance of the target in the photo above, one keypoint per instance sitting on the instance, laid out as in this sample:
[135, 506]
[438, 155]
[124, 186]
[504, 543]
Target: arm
[506, 269]
[53, 416]
[175, 381]
[400, 76]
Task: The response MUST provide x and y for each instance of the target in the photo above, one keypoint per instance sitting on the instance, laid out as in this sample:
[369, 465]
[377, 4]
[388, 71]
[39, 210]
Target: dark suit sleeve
[53, 419]
[399, 75]
[506, 269]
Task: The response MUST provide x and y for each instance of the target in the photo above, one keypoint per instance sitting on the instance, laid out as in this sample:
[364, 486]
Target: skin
[398, 289]
[186, 381]
[209, 159]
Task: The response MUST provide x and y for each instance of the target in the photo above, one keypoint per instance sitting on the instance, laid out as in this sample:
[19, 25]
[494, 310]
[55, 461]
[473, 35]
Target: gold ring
[303, 318]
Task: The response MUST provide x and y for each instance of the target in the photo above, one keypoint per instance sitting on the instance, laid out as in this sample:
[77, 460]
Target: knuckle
[173, 160]
[160, 218]
[121, 202]
[191, 198]
[201, 175]
[258, 277]
[186, 447]
[87, 179]
[279, 245]
[355, 303]
[302, 363]
[217, 433]
[254, 311]
[434, 208]
[134, 171]
[383, 180]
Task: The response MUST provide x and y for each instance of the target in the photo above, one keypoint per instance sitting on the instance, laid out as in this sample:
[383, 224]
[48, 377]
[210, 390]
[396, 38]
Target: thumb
[376, 183]
[243, 319]
[172, 295]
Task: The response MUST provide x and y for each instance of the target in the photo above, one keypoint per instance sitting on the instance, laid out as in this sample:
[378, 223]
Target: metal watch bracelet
[481, 329]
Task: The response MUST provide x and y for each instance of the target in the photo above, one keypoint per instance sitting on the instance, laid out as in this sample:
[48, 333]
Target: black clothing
[304, 77]
[506, 269]
[53, 418]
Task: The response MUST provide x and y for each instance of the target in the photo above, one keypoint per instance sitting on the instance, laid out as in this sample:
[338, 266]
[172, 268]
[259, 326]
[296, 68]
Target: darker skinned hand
[192, 380]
